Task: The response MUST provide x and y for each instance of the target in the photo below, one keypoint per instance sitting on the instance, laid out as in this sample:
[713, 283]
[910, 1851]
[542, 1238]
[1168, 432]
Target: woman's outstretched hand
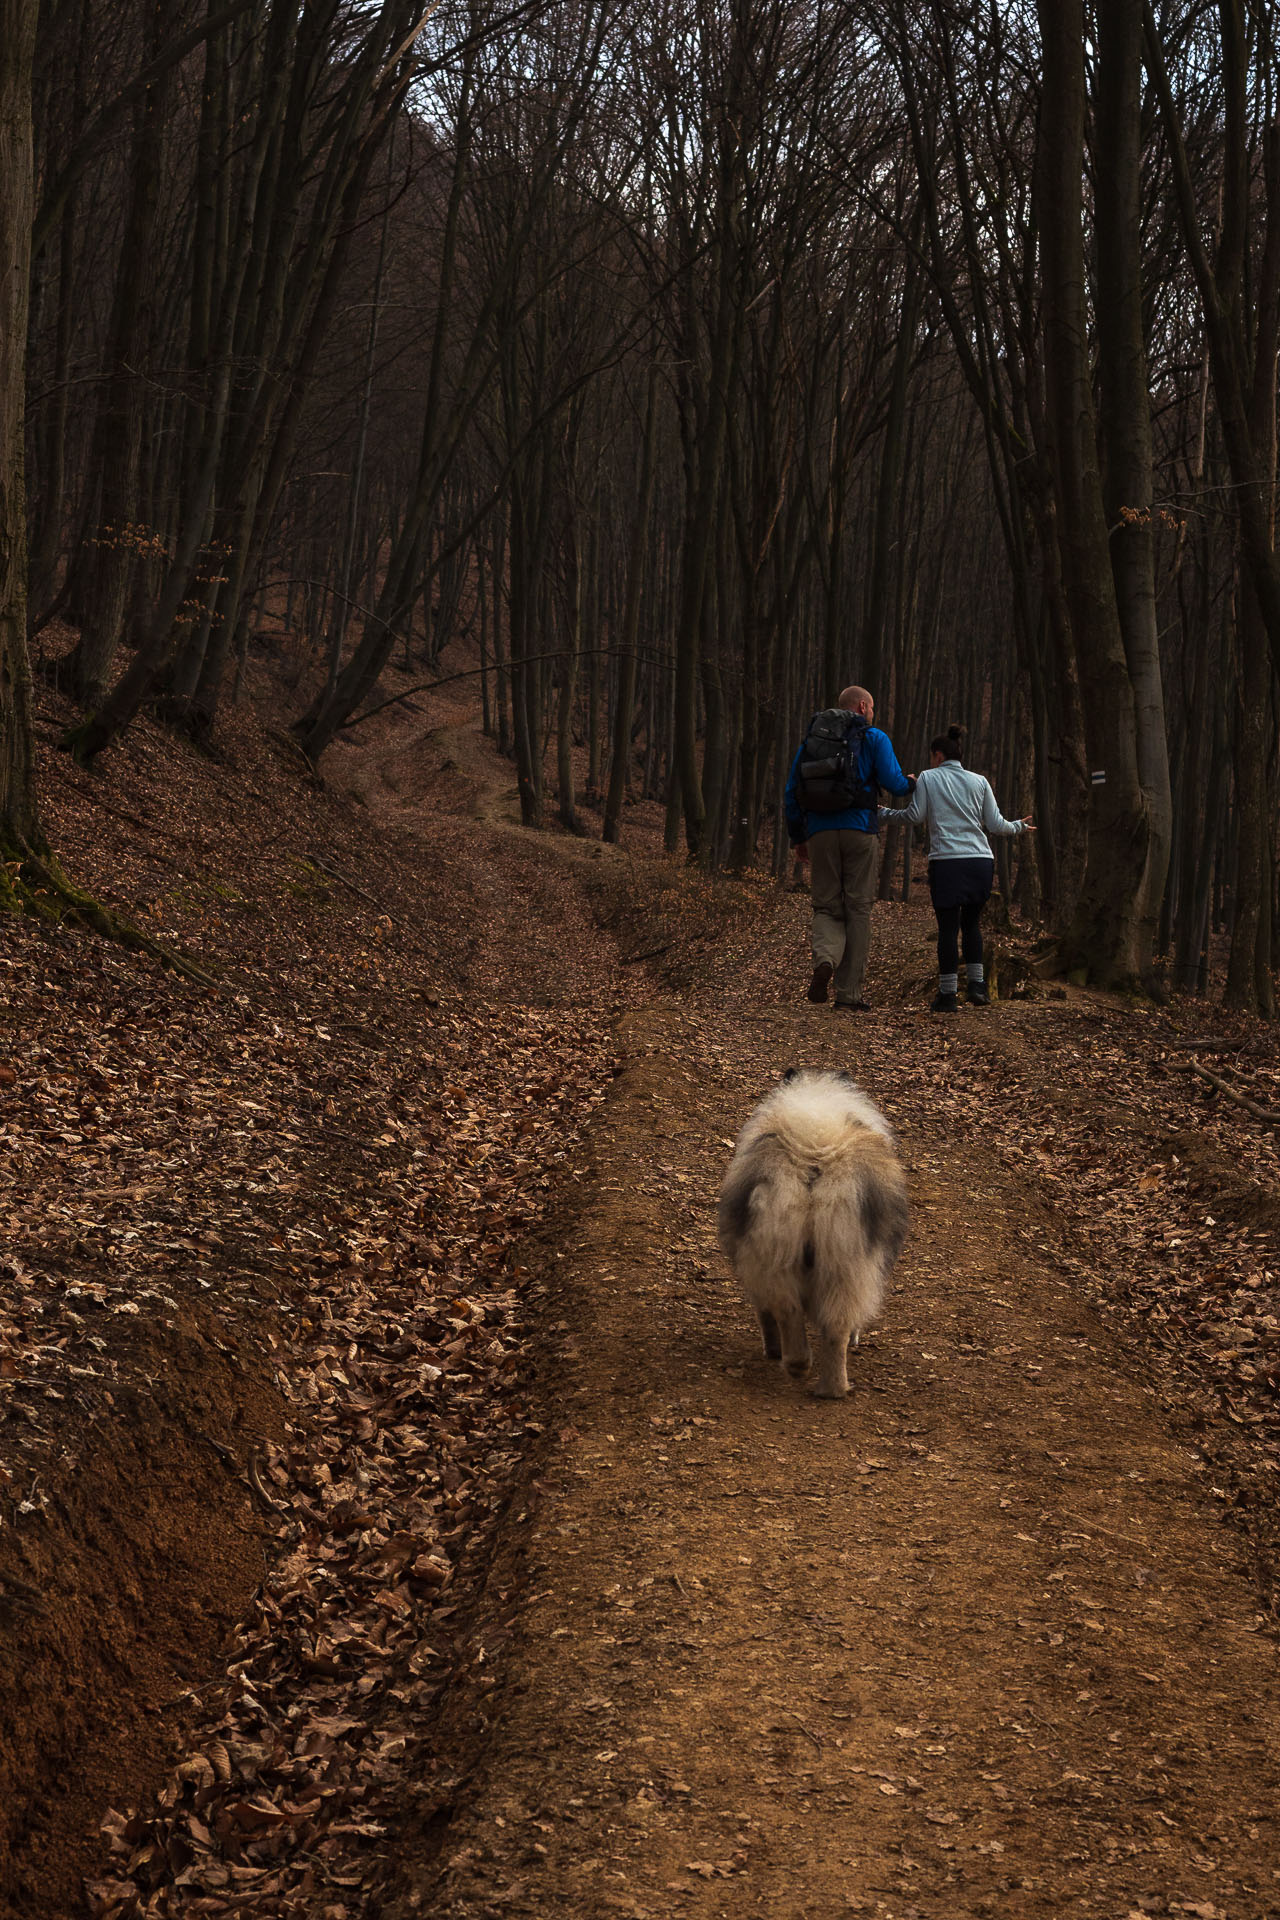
[1028, 825]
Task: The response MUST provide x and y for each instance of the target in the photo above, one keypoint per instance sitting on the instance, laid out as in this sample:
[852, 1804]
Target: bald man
[841, 845]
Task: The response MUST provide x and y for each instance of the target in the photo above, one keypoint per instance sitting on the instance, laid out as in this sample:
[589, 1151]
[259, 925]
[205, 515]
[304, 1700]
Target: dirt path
[973, 1641]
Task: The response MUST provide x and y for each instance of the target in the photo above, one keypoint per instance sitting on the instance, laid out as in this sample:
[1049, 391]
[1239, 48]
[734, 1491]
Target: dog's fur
[813, 1213]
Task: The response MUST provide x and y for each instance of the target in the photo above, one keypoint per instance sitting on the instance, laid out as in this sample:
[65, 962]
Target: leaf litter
[331, 1168]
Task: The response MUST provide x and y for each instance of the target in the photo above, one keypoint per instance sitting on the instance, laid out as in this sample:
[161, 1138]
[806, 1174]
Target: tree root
[1056, 960]
[33, 883]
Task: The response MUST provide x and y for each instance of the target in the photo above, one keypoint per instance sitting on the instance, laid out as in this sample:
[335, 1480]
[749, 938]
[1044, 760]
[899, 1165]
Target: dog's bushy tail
[857, 1222]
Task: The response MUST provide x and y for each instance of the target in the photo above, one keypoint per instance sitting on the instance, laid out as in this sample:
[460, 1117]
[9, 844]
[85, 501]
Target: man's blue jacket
[877, 764]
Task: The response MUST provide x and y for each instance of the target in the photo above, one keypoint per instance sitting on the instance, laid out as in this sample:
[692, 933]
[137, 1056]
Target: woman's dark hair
[949, 744]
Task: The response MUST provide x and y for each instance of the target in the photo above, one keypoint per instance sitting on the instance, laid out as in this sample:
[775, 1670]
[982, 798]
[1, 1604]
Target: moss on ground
[34, 884]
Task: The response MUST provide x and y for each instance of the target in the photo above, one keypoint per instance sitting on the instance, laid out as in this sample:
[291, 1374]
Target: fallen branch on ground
[118, 813]
[650, 953]
[806, 1731]
[1241, 1100]
[343, 881]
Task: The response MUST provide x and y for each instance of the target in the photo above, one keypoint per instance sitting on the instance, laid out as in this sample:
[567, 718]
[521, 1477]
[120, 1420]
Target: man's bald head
[857, 700]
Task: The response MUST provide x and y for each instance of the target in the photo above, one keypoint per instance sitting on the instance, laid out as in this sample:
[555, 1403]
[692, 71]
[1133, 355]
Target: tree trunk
[621, 752]
[1124, 417]
[1248, 984]
[565, 794]
[1249, 978]
[696, 555]
[51, 423]
[1221, 282]
[502, 678]
[597, 619]
[20, 829]
[117, 448]
[1207, 820]
[1105, 935]
[888, 518]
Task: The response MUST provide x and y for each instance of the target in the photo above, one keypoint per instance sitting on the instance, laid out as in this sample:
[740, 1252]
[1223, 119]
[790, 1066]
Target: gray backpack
[828, 779]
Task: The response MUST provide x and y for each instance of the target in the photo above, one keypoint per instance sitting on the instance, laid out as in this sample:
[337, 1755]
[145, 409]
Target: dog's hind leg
[832, 1382]
[795, 1342]
[770, 1335]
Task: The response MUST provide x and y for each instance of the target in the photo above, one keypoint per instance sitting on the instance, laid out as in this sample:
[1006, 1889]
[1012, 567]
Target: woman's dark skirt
[960, 883]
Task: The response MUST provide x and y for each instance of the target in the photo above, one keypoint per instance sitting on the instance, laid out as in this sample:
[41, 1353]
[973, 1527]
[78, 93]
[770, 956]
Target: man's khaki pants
[843, 871]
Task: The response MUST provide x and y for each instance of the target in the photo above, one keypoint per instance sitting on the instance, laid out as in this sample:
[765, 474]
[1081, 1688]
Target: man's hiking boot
[820, 982]
[978, 995]
[853, 1006]
[945, 1003]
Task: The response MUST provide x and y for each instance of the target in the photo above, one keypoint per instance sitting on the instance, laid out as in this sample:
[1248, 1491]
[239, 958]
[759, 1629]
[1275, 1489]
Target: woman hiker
[959, 810]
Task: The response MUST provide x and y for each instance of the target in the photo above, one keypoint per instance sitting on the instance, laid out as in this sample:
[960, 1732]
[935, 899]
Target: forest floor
[396, 1513]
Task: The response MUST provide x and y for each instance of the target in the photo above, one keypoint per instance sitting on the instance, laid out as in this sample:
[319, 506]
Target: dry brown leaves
[405, 1363]
[334, 1164]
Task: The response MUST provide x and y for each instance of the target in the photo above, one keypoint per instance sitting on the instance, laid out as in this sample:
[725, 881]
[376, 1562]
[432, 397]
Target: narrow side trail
[973, 1641]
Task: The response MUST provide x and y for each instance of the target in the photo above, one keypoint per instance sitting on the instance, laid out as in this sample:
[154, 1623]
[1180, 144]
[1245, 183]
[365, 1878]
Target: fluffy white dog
[813, 1214]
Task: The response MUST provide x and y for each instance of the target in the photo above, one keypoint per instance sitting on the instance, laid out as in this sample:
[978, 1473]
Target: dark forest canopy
[686, 363]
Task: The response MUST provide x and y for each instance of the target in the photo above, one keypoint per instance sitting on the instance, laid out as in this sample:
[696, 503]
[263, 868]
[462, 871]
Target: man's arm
[889, 774]
[797, 829]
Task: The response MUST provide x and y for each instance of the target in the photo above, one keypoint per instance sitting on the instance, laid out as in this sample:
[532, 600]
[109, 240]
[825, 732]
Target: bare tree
[1125, 438]
[1106, 931]
[324, 91]
[20, 829]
